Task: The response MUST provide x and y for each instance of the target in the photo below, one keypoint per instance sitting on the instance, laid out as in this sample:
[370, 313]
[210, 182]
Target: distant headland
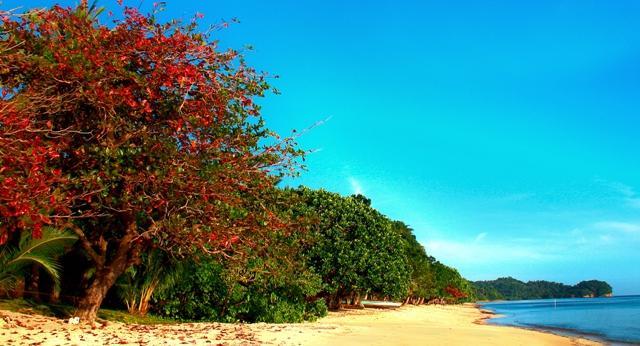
[512, 289]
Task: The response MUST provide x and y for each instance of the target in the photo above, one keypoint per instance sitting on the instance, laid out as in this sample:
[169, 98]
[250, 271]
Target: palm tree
[156, 273]
[16, 261]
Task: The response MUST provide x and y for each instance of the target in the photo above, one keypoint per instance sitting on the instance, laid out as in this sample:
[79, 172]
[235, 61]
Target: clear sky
[506, 133]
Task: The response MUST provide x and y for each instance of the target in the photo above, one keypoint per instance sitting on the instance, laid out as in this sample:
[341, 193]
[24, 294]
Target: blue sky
[506, 133]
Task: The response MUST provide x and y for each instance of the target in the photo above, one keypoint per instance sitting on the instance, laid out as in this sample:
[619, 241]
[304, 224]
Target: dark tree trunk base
[90, 304]
[103, 280]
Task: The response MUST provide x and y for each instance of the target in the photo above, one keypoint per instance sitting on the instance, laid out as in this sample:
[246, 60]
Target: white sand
[411, 325]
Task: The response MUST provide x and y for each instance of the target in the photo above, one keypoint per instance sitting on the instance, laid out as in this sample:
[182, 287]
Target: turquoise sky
[506, 133]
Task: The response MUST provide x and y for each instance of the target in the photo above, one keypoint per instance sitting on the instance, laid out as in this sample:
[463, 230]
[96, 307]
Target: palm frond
[156, 273]
[49, 265]
[51, 243]
[8, 281]
[42, 252]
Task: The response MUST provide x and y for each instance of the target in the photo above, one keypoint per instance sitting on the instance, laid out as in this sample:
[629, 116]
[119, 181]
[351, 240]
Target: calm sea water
[615, 319]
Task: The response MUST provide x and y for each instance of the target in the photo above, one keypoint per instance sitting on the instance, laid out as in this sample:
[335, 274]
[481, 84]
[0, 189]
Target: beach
[409, 325]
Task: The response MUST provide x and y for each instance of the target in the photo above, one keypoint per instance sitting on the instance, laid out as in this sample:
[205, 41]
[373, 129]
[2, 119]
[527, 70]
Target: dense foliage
[449, 283]
[344, 251]
[512, 289]
[267, 282]
[222, 291]
[429, 277]
[354, 248]
[29, 253]
[134, 136]
[592, 288]
[143, 141]
[156, 272]
[423, 282]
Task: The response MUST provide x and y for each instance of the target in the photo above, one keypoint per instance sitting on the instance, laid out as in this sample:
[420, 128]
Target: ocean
[615, 320]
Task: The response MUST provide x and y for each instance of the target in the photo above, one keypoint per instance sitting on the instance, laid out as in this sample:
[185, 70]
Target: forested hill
[512, 289]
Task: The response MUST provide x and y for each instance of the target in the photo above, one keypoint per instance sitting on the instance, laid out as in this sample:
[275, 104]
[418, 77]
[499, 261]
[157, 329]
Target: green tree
[156, 272]
[593, 288]
[512, 289]
[135, 135]
[422, 284]
[448, 280]
[353, 247]
[267, 283]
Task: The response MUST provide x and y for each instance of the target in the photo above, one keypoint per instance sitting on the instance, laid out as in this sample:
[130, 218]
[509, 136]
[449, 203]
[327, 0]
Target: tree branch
[86, 246]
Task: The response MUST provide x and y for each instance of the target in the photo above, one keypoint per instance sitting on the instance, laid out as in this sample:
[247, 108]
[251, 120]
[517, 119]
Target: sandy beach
[425, 325]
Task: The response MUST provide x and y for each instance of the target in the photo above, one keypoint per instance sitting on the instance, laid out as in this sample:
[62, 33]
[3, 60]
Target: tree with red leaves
[455, 292]
[134, 136]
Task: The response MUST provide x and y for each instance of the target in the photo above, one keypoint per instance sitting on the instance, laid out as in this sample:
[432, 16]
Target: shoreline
[408, 325]
[563, 332]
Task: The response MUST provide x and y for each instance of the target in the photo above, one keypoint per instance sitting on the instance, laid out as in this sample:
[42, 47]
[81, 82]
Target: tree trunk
[406, 301]
[54, 295]
[104, 278]
[145, 298]
[33, 286]
[18, 290]
[335, 301]
[90, 303]
[144, 306]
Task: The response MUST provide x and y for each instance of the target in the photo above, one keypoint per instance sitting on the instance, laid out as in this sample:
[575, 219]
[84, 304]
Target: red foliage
[135, 135]
[140, 131]
[455, 292]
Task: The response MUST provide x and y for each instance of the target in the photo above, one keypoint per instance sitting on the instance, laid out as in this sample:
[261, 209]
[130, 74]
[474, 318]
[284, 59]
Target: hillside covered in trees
[511, 289]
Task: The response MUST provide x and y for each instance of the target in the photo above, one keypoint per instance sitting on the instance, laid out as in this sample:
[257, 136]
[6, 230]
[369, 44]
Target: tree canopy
[135, 135]
[353, 247]
[144, 141]
[512, 289]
